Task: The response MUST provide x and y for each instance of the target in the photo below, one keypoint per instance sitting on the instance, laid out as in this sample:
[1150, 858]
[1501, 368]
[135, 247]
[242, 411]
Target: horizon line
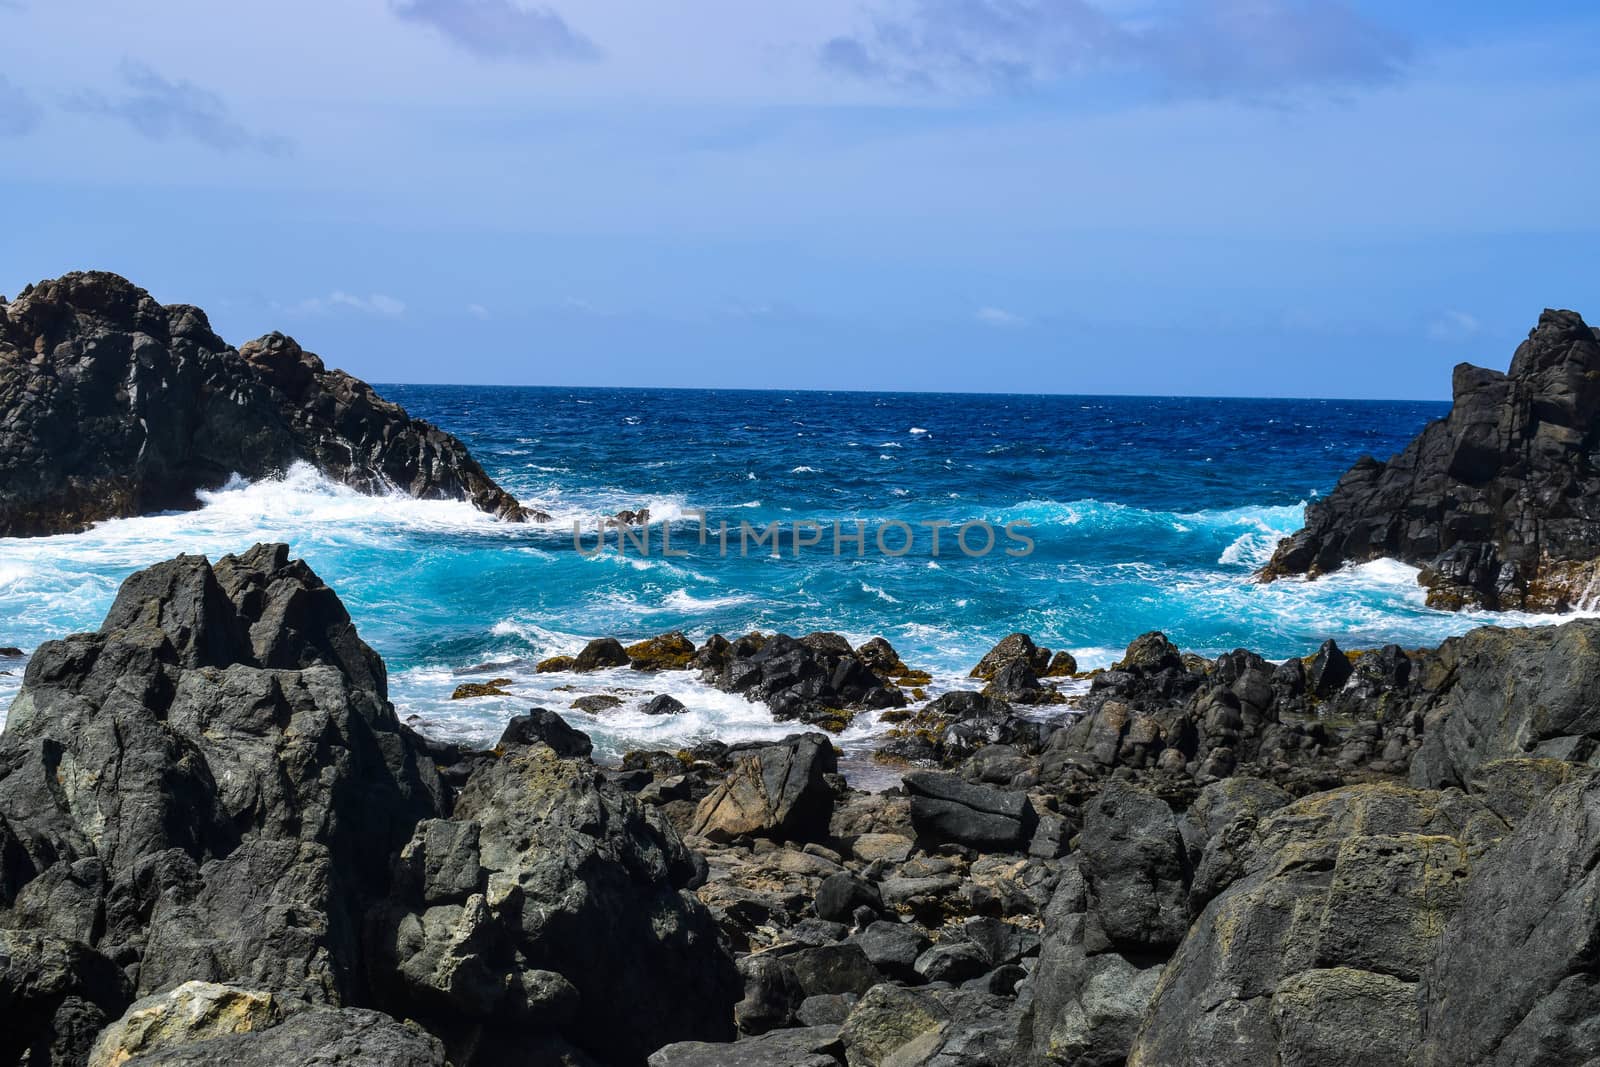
[914, 392]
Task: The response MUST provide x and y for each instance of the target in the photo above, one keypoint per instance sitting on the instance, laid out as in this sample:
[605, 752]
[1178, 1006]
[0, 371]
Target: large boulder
[1088, 998]
[1498, 502]
[113, 405]
[1512, 693]
[198, 1024]
[1512, 980]
[1136, 869]
[563, 907]
[773, 791]
[946, 809]
[1014, 648]
[1340, 897]
[217, 776]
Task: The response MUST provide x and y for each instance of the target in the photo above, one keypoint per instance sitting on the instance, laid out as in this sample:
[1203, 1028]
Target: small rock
[540, 726]
[494, 688]
[596, 702]
[841, 894]
[599, 654]
[664, 704]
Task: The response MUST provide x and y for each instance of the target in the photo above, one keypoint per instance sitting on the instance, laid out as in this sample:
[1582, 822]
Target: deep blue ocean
[1144, 513]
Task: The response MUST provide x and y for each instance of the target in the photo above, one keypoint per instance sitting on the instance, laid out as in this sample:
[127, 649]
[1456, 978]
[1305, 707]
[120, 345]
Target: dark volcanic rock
[113, 405]
[1012, 649]
[559, 878]
[237, 776]
[945, 809]
[776, 791]
[1336, 907]
[1513, 981]
[599, 654]
[817, 679]
[1135, 867]
[1524, 692]
[1498, 502]
[540, 726]
[213, 791]
[664, 704]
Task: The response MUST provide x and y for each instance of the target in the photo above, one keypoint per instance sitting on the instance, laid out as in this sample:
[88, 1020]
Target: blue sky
[1236, 197]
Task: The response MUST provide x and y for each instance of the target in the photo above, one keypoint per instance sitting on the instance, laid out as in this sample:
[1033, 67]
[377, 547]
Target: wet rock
[469, 690]
[1015, 681]
[664, 704]
[540, 726]
[1496, 501]
[1014, 648]
[817, 679]
[668, 652]
[599, 654]
[1062, 665]
[596, 702]
[1329, 670]
[554, 664]
[113, 405]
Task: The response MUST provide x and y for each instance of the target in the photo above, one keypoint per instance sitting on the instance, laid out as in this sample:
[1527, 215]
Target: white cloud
[1454, 326]
[477, 311]
[1000, 317]
[376, 304]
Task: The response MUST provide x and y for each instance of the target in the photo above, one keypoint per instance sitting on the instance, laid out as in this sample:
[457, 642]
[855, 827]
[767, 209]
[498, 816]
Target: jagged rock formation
[1498, 502]
[214, 789]
[112, 405]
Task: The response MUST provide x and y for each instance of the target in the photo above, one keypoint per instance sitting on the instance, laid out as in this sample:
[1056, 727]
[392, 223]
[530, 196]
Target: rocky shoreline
[1498, 502]
[217, 842]
[113, 405]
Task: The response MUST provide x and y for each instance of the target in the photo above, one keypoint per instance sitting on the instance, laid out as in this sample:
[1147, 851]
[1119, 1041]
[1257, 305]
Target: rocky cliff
[1498, 502]
[114, 405]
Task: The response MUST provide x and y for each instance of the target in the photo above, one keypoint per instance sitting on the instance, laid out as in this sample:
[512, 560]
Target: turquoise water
[1144, 513]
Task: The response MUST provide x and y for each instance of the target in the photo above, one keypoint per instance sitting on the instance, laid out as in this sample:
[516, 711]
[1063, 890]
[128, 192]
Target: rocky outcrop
[1338, 906]
[1511, 693]
[1513, 981]
[817, 679]
[1498, 502]
[114, 405]
[775, 791]
[211, 801]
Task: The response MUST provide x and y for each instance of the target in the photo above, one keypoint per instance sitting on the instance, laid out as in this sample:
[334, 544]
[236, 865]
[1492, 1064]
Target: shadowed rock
[113, 405]
[1498, 502]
